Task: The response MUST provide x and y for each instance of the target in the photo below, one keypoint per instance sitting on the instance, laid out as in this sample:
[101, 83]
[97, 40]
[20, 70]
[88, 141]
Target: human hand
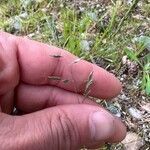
[56, 114]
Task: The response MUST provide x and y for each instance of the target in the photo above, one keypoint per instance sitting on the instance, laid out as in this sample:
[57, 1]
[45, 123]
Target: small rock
[139, 17]
[146, 107]
[124, 59]
[135, 113]
[44, 10]
[85, 45]
[121, 79]
[26, 3]
[93, 16]
[82, 9]
[114, 110]
[143, 97]
[24, 15]
[132, 141]
[39, 1]
[16, 23]
[123, 97]
[31, 35]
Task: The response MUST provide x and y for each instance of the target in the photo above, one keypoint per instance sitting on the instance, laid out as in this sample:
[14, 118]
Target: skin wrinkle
[63, 134]
[58, 138]
[68, 128]
[52, 97]
[76, 133]
[69, 136]
[64, 139]
[52, 126]
[55, 71]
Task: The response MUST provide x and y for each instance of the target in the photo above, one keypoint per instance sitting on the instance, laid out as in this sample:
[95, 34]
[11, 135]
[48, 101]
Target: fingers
[38, 61]
[33, 98]
[64, 127]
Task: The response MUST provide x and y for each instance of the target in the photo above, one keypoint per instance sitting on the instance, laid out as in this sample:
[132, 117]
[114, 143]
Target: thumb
[60, 128]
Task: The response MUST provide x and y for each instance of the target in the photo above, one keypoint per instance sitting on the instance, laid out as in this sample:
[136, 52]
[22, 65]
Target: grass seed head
[54, 78]
[89, 82]
[56, 56]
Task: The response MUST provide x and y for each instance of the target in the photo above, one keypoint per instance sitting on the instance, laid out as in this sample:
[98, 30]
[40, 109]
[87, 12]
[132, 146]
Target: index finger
[41, 64]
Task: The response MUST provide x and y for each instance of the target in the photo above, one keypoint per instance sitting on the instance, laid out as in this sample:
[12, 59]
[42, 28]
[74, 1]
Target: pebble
[26, 3]
[135, 113]
[146, 107]
[85, 45]
[114, 110]
[16, 23]
[93, 16]
[123, 97]
[124, 59]
[24, 15]
[132, 141]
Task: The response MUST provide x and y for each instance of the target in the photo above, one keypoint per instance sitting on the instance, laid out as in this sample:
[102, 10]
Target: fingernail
[101, 125]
